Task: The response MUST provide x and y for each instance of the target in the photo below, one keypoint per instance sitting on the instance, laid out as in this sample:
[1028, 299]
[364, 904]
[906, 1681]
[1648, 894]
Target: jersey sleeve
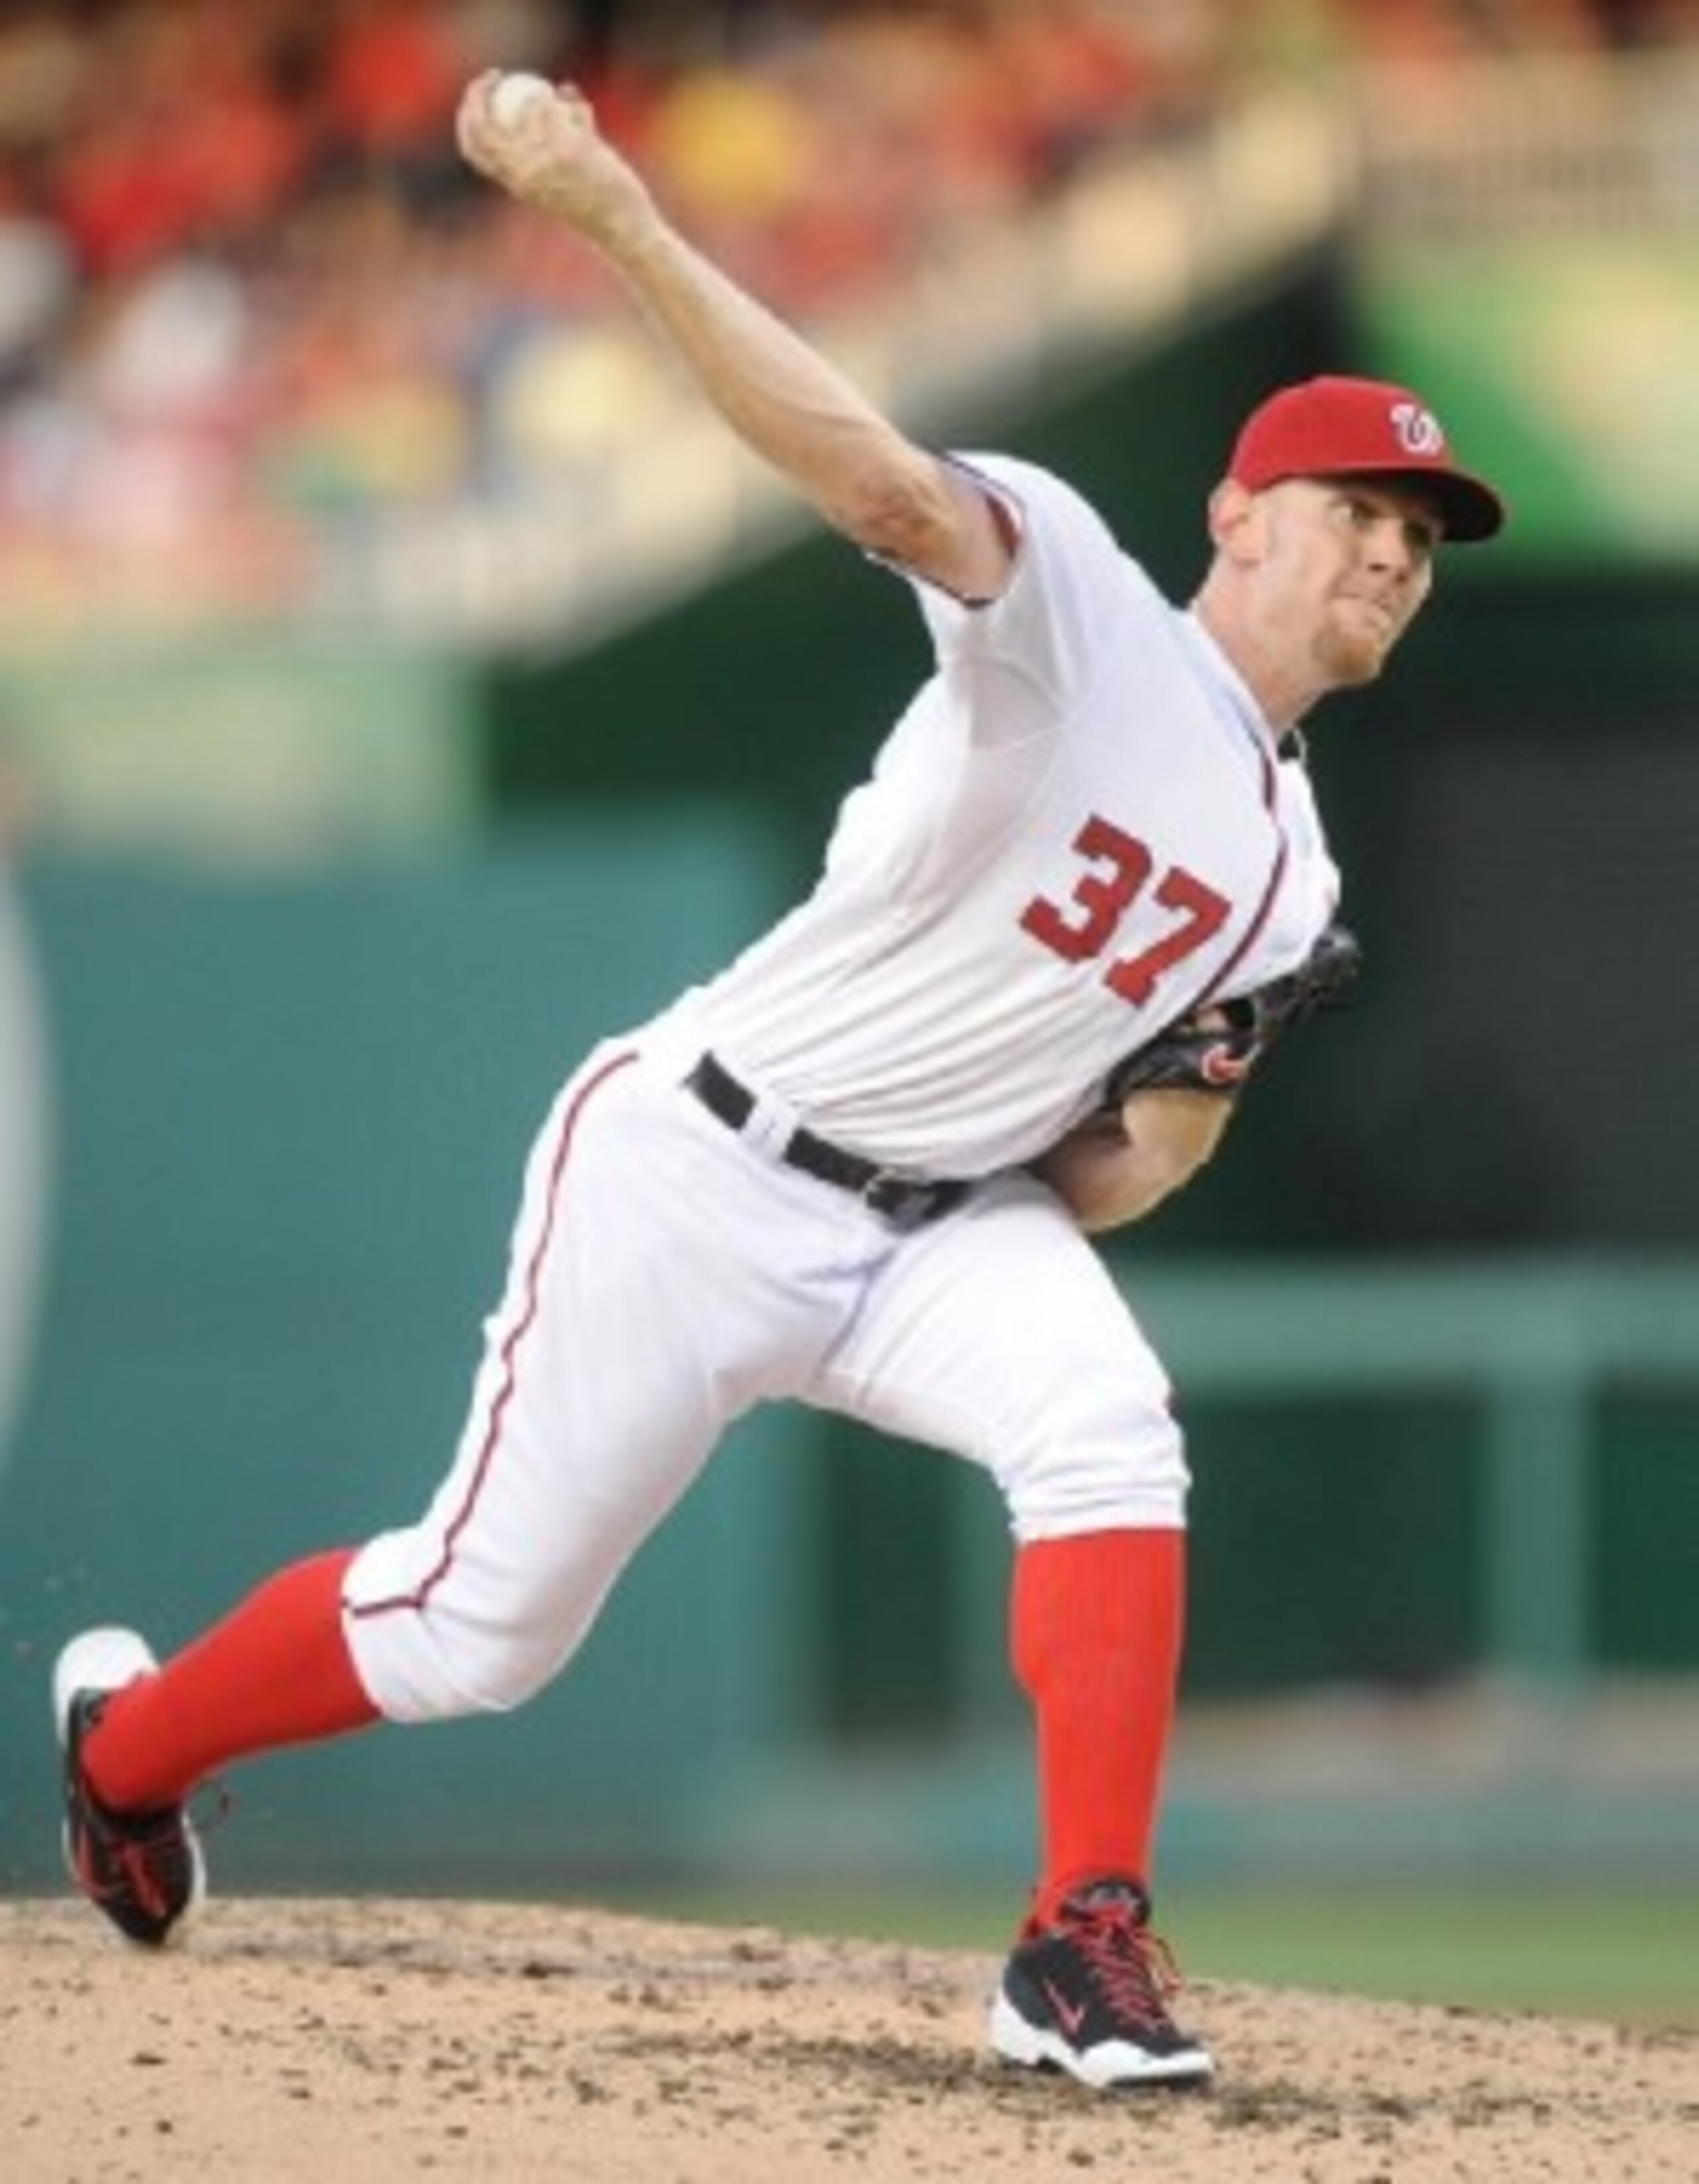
[1045, 630]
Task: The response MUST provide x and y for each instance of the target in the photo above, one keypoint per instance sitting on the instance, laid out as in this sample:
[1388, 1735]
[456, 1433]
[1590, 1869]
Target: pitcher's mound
[309, 2042]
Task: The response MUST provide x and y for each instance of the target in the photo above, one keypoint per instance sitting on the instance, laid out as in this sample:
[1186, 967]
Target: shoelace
[156, 1867]
[1134, 1967]
[208, 1806]
[151, 1850]
[147, 1864]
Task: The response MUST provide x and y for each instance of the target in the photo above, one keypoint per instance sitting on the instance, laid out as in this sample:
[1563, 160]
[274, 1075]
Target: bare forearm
[783, 399]
[1115, 1169]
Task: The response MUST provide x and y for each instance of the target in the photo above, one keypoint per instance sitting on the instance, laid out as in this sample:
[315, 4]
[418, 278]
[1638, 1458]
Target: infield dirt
[374, 2040]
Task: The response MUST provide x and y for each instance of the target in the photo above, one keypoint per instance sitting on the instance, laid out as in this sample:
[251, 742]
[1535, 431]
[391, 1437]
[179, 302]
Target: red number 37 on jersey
[1118, 870]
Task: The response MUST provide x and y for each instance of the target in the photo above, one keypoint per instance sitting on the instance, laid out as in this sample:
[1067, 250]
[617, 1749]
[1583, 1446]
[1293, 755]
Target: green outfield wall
[292, 1113]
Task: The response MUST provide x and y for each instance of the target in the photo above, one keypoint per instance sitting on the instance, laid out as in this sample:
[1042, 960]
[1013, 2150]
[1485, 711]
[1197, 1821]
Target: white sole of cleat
[1112, 2065]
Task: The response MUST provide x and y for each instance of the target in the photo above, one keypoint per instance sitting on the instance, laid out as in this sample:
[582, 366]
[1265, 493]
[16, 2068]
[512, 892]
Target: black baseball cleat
[143, 1870]
[1087, 1992]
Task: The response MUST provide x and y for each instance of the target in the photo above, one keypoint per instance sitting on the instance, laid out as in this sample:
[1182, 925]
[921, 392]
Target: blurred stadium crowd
[247, 289]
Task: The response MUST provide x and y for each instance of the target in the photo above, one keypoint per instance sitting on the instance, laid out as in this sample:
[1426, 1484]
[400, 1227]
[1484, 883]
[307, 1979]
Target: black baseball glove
[1214, 1049]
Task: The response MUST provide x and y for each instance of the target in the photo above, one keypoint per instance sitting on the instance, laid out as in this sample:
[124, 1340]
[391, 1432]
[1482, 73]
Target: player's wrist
[630, 230]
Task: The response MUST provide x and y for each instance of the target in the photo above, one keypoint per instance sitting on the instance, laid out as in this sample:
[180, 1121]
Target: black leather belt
[904, 1200]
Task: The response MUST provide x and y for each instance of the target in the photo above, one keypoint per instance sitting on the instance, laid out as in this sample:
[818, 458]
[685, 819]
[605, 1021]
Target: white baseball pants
[666, 1275]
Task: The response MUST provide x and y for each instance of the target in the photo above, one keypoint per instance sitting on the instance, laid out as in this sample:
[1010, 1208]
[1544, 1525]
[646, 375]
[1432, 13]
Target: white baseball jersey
[1079, 828]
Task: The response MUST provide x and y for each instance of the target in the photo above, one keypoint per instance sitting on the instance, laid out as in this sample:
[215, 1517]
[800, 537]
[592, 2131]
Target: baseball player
[1082, 887]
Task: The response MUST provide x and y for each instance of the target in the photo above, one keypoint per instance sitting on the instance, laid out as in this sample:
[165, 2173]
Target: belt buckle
[910, 1205]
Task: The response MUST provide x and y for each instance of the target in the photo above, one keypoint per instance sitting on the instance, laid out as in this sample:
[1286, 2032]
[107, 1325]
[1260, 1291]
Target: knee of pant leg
[1114, 1459]
[425, 1652]
[422, 1666]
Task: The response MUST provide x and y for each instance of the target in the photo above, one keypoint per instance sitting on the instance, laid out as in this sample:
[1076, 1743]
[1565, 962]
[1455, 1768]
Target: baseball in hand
[514, 96]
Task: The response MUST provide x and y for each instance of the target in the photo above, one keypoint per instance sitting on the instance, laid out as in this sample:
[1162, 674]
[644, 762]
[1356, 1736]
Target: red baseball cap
[1339, 427]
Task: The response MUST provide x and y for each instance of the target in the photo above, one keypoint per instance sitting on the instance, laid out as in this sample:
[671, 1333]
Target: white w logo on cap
[1417, 429]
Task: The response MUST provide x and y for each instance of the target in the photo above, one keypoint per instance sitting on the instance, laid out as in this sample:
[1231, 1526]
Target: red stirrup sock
[1095, 1629]
[276, 1670]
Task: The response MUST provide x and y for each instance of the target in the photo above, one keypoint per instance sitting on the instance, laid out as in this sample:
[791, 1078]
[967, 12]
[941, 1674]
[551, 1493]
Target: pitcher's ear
[1235, 513]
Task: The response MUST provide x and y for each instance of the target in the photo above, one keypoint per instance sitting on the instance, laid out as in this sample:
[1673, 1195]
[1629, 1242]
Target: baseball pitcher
[1081, 889]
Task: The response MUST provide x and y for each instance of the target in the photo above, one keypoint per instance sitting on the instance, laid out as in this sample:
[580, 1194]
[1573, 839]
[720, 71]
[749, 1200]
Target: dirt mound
[374, 2040]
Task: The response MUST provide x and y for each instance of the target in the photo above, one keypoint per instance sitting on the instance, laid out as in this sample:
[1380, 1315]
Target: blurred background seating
[247, 289]
[250, 300]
